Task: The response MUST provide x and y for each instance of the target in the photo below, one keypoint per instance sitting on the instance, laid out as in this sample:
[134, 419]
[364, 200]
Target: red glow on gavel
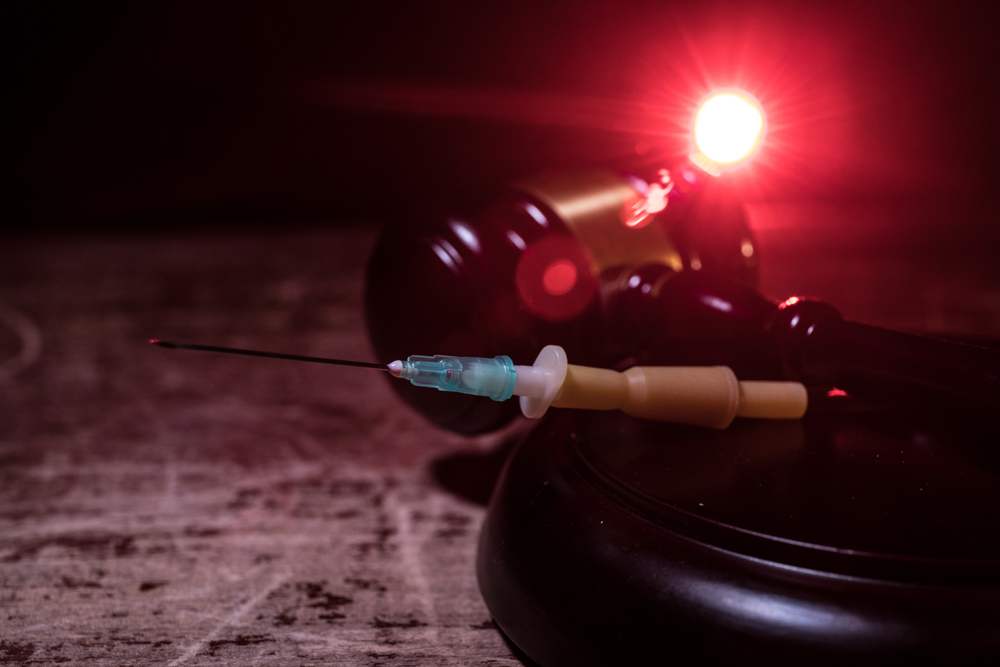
[559, 277]
[554, 279]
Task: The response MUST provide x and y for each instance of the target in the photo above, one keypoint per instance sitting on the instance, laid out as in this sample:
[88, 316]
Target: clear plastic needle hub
[479, 376]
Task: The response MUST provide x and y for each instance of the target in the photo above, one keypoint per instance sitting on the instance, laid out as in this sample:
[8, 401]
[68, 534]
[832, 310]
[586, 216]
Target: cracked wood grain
[157, 508]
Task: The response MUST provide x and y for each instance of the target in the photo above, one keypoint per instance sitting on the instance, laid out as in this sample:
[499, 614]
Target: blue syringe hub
[480, 376]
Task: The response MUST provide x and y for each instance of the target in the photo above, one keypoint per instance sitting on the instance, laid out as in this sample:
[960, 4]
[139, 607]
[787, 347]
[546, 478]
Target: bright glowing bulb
[728, 127]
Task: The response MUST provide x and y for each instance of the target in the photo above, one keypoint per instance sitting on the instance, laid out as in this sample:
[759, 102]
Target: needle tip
[395, 368]
[161, 343]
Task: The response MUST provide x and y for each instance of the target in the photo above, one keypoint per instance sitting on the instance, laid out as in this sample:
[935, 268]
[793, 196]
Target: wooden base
[847, 535]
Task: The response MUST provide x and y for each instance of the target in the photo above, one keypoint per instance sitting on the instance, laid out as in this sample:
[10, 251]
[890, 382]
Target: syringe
[699, 395]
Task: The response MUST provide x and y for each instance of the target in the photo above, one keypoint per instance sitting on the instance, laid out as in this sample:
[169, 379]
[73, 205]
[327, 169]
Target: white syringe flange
[540, 384]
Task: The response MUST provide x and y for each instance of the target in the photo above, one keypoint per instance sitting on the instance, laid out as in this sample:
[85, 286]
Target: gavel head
[541, 265]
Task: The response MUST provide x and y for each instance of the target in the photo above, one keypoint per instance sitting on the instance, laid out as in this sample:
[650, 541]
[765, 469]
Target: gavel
[620, 269]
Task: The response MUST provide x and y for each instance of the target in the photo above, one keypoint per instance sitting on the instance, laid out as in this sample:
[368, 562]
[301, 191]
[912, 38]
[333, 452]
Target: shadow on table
[472, 474]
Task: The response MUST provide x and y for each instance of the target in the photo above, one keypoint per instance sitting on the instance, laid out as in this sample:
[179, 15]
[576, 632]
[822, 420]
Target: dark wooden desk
[187, 508]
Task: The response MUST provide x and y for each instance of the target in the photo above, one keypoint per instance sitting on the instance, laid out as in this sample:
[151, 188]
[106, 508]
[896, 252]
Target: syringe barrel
[479, 376]
[699, 395]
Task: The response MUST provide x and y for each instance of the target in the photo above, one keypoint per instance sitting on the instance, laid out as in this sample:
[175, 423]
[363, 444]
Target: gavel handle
[899, 367]
[809, 341]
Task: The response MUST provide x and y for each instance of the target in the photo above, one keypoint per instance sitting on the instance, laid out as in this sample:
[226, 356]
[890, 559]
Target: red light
[554, 280]
[791, 301]
[729, 127]
[638, 214]
[559, 277]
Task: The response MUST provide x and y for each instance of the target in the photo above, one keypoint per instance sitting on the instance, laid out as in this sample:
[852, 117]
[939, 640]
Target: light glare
[727, 127]
[559, 277]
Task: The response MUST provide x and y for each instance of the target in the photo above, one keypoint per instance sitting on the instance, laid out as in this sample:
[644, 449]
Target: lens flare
[728, 127]
[554, 280]
[559, 277]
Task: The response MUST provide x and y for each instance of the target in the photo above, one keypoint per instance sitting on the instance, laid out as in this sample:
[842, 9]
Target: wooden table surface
[182, 508]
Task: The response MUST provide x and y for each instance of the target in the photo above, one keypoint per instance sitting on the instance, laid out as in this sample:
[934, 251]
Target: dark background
[126, 115]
